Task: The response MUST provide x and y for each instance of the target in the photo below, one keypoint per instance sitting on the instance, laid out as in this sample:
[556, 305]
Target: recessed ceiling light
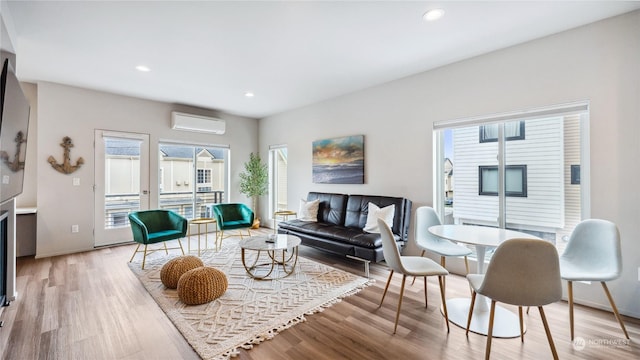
[433, 14]
[248, 94]
[143, 68]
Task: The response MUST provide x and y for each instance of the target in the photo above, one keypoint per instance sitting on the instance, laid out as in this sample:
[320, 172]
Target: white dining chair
[409, 266]
[522, 272]
[425, 218]
[593, 253]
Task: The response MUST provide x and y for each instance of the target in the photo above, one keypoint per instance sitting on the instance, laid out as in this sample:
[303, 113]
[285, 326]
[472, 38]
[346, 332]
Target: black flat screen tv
[14, 126]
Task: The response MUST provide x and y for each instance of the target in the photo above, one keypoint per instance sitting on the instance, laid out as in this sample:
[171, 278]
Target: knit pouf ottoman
[201, 285]
[174, 268]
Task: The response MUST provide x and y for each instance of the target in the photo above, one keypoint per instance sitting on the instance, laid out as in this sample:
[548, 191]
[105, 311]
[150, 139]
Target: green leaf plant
[254, 180]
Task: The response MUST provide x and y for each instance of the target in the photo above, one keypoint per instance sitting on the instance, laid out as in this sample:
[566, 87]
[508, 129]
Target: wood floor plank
[91, 306]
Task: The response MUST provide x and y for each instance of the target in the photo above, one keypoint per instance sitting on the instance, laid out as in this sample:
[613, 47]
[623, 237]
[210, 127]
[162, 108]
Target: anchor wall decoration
[66, 167]
[15, 165]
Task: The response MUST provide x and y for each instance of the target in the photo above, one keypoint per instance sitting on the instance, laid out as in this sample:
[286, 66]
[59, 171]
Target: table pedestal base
[505, 323]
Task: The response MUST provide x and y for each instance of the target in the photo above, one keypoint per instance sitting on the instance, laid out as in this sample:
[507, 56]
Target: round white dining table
[505, 323]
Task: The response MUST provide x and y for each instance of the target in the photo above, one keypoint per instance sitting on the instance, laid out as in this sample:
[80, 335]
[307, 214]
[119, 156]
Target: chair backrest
[595, 245]
[153, 220]
[425, 218]
[390, 247]
[232, 211]
[523, 272]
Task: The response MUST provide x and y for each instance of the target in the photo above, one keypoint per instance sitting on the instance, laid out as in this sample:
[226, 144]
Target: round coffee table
[276, 248]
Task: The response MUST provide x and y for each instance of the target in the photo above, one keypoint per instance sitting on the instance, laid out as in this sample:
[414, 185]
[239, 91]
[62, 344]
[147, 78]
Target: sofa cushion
[308, 210]
[358, 210]
[331, 207]
[375, 213]
[341, 234]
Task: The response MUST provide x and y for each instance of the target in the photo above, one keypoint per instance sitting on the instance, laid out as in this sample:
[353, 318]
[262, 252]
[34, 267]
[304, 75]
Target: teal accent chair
[232, 216]
[156, 226]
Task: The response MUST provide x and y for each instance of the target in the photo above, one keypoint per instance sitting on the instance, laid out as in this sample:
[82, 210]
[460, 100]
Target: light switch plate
[76, 181]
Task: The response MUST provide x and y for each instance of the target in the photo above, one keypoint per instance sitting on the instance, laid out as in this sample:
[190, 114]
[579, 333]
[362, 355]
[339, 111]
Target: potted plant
[254, 181]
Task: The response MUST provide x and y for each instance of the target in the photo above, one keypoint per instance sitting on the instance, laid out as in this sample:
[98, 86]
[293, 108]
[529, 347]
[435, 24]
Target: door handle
[145, 192]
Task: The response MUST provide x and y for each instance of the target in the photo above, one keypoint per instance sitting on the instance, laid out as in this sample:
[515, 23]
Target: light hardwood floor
[91, 306]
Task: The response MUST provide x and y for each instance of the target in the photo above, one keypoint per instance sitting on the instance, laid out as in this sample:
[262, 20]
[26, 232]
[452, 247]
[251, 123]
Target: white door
[121, 183]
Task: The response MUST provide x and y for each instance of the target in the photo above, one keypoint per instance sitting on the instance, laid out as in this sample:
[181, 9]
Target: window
[204, 176]
[180, 165]
[204, 180]
[278, 178]
[544, 190]
[515, 181]
[512, 130]
[575, 174]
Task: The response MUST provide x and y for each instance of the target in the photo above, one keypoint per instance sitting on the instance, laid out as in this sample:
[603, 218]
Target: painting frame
[338, 160]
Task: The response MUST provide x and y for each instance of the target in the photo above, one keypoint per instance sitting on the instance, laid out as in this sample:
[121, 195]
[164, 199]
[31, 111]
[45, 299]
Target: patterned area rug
[250, 311]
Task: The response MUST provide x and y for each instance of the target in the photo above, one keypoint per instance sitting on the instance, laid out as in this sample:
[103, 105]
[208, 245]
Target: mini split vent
[197, 123]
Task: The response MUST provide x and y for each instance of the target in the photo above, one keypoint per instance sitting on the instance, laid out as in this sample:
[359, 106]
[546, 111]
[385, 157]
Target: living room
[597, 62]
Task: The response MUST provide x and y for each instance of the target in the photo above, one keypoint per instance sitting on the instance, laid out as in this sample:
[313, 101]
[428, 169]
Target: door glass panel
[122, 181]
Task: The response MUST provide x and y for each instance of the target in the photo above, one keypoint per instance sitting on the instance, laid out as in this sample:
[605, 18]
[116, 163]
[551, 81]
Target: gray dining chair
[409, 266]
[593, 253]
[425, 218]
[522, 272]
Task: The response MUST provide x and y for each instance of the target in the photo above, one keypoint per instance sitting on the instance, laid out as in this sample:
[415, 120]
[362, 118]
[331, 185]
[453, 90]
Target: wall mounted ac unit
[197, 123]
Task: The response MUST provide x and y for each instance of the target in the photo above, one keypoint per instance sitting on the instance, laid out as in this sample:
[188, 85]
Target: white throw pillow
[308, 210]
[375, 213]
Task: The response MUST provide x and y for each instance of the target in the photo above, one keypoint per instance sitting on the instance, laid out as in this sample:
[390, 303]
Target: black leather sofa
[341, 219]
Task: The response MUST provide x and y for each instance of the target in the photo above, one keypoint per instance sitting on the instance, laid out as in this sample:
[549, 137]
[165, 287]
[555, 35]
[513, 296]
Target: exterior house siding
[541, 151]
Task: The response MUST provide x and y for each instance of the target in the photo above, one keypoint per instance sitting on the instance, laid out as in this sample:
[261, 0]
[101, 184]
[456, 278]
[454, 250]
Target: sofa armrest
[139, 230]
[178, 222]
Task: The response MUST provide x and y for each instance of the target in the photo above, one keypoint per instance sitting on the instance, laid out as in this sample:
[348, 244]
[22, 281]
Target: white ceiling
[290, 54]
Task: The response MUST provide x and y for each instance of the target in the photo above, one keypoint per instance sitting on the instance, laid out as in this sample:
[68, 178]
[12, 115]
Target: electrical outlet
[75, 228]
[76, 181]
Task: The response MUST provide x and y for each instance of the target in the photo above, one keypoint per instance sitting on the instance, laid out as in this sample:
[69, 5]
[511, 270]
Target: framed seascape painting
[339, 160]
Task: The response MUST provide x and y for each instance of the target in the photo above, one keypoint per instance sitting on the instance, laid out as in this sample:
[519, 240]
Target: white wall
[597, 62]
[75, 112]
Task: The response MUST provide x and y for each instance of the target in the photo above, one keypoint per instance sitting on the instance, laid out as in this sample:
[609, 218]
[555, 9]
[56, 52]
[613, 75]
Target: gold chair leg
[444, 302]
[134, 253]
[165, 248]
[466, 265]
[615, 309]
[521, 324]
[181, 248]
[426, 302]
[443, 263]
[570, 295]
[546, 330]
[386, 288]
[490, 332]
[144, 257]
[473, 302]
[404, 278]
